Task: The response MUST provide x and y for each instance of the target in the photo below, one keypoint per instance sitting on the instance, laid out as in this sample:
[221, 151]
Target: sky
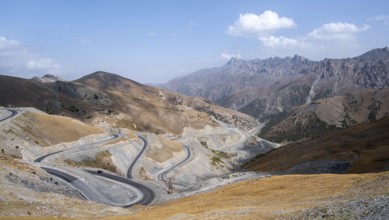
[153, 41]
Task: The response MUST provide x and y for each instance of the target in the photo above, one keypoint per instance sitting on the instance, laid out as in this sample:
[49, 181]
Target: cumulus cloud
[252, 25]
[17, 60]
[228, 56]
[279, 42]
[327, 37]
[42, 64]
[6, 43]
[337, 31]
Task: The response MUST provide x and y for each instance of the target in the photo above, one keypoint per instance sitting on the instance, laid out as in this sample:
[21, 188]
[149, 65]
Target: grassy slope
[107, 98]
[272, 197]
[265, 198]
[163, 149]
[62, 128]
[366, 146]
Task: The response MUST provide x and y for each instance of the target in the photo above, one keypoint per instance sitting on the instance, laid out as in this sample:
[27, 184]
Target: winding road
[162, 175]
[39, 159]
[88, 192]
[131, 168]
[148, 194]
[146, 198]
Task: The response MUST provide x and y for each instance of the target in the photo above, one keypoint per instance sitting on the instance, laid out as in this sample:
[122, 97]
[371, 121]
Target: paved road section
[130, 169]
[39, 159]
[85, 190]
[162, 175]
[148, 194]
[13, 113]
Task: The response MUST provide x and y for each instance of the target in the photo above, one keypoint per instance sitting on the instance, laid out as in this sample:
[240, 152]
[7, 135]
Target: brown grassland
[263, 198]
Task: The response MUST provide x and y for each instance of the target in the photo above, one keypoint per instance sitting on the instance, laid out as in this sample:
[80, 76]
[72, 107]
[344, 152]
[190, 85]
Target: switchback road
[162, 175]
[148, 194]
[130, 169]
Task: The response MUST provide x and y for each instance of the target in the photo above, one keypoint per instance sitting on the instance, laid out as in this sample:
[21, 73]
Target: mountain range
[108, 100]
[117, 142]
[277, 89]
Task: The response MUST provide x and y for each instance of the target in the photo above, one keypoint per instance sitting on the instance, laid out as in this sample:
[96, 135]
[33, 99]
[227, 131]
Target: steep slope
[221, 84]
[282, 197]
[28, 191]
[108, 100]
[364, 147]
[320, 116]
[31, 130]
[269, 89]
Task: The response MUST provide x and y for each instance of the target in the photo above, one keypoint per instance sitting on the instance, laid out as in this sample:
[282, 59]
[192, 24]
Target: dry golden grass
[103, 160]
[61, 128]
[265, 198]
[132, 135]
[162, 149]
[35, 218]
[120, 101]
[117, 140]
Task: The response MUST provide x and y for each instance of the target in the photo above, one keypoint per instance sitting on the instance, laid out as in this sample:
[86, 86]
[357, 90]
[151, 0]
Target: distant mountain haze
[271, 89]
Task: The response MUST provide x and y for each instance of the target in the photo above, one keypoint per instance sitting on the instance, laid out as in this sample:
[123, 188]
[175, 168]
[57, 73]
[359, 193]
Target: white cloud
[6, 43]
[337, 31]
[45, 64]
[380, 18]
[330, 37]
[17, 60]
[279, 42]
[228, 56]
[252, 25]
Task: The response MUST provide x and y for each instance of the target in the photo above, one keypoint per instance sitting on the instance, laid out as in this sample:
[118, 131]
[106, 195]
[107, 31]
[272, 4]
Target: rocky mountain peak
[376, 54]
[264, 87]
[235, 62]
[298, 58]
[49, 78]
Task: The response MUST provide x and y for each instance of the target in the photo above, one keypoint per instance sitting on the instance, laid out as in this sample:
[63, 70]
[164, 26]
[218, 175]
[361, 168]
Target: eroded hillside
[362, 148]
[108, 100]
[272, 89]
[324, 115]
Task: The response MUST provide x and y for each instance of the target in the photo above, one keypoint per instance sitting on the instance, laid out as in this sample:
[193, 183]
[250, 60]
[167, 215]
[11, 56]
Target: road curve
[71, 180]
[130, 169]
[148, 194]
[85, 190]
[39, 159]
[13, 113]
[162, 175]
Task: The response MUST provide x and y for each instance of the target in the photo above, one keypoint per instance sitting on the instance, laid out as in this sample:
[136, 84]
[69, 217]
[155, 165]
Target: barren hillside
[364, 147]
[323, 115]
[108, 100]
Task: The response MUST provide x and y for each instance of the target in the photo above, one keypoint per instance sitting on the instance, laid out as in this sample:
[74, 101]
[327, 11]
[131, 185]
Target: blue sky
[155, 41]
